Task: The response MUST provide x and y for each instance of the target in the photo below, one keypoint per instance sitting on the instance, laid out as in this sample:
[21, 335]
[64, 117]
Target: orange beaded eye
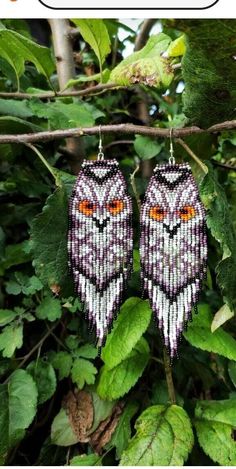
[86, 207]
[186, 213]
[157, 213]
[115, 206]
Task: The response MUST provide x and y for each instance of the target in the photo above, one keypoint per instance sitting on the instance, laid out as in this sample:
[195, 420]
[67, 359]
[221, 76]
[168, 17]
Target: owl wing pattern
[173, 248]
[100, 241]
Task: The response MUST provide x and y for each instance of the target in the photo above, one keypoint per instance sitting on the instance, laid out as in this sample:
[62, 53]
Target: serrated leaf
[86, 460]
[11, 338]
[146, 147]
[199, 335]
[222, 316]
[45, 378]
[133, 320]
[50, 309]
[6, 316]
[18, 404]
[17, 49]
[164, 437]
[64, 116]
[49, 240]
[116, 382]
[215, 422]
[61, 431]
[122, 434]
[87, 351]
[146, 66]
[220, 225]
[95, 33]
[83, 371]
[62, 361]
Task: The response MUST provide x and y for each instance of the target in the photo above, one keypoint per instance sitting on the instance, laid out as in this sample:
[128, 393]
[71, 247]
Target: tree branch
[143, 34]
[62, 94]
[127, 129]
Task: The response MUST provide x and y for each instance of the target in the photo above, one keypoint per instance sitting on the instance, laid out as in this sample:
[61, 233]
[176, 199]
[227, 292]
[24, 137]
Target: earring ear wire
[100, 156]
[171, 158]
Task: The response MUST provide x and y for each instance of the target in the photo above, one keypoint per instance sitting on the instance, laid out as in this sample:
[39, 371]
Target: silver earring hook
[100, 147]
[171, 158]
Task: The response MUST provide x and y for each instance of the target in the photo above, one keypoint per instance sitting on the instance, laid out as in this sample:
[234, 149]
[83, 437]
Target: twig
[143, 34]
[169, 379]
[224, 165]
[133, 185]
[127, 129]
[35, 348]
[195, 157]
[118, 142]
[61, 94]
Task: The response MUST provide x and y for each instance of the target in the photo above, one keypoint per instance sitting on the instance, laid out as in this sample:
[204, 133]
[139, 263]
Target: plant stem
[169, 379]
[133, 185]
[48, 166]
[195, 157]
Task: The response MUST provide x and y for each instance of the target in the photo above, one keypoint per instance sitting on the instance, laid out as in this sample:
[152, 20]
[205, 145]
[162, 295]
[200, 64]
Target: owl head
[172, 202]
[100, 199]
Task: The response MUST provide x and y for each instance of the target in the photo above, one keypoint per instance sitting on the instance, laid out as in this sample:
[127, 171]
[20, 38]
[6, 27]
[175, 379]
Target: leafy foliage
[164, 438]
[64, 401]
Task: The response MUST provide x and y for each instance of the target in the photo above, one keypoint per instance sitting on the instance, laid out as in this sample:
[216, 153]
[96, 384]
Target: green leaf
[83, 371]
[101, 408]
[45, 378]
[219, 222]
[6, 316]
[85, 78]
[86, 460]
[164, 437]
[215, 422]
[146, 66]
[116, 382]
[95, 33]
[11, 338]
[17, 49]
[232, 372]
[132, 322]
[62, 361]
[14, 125]
[122, 433]
[87, 351]
[23, 284]
[11, 107]
[49, 241]
[222, 316]
[50, 309]
[64, 116]
[18, 404]
[61, 431]
[199, 335]
[146, 147]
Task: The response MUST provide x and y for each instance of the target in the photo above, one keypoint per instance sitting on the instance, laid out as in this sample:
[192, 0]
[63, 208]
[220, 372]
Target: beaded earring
[173, 247]
[100, 240]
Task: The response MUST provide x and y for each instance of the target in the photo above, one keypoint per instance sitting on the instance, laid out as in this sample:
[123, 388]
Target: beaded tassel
[100, 241]
[173, 248]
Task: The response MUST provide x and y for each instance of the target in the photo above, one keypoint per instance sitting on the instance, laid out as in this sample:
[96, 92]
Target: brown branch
[62, 94]
[143, 35]
[127, 129]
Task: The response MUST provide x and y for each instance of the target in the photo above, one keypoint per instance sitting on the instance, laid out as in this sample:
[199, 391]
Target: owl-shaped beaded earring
[100, 240]
[173, 247]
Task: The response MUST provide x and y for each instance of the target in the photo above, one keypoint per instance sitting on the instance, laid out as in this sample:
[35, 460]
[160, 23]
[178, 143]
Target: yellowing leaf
[223, 315]
[147, 66]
